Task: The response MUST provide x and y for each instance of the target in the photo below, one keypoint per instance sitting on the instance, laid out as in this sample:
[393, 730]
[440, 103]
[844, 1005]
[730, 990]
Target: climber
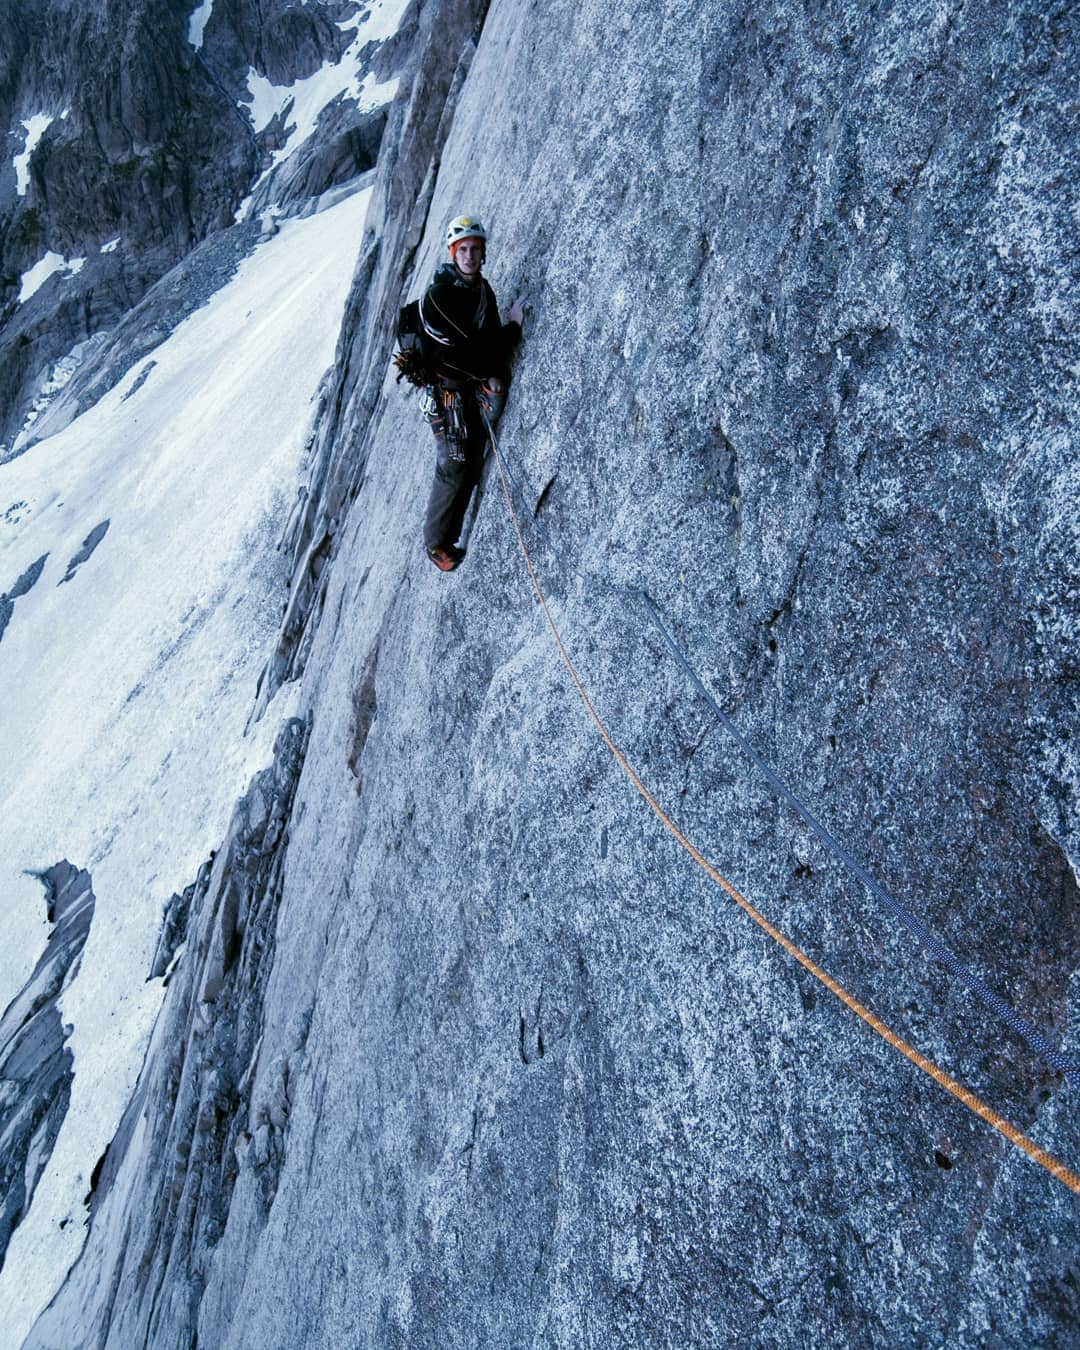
[460, 355]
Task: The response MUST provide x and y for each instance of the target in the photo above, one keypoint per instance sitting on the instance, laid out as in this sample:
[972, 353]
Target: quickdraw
[411, 366]
[453, 419]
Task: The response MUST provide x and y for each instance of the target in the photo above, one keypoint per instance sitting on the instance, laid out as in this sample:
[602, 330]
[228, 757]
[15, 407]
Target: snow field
[127, 688]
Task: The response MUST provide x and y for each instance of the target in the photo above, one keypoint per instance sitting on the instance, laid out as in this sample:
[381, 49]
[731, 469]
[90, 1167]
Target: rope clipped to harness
[1036, 1152]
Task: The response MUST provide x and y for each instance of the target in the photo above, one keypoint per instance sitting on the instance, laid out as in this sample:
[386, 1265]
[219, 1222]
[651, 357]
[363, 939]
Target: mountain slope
[136, 133]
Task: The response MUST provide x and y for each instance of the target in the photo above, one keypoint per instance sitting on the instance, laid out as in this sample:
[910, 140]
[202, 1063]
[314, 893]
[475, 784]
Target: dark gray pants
[458, 466]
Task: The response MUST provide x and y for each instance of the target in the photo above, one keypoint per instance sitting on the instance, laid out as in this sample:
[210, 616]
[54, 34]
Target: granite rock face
[799, 362]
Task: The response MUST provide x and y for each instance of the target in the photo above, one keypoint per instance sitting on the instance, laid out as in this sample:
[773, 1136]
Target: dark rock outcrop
[174, 924]
[35, 1065]
[86, 551]
[24, 583]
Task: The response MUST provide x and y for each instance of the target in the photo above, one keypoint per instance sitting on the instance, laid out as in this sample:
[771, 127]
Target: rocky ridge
[211, 1131]
[35, 1064]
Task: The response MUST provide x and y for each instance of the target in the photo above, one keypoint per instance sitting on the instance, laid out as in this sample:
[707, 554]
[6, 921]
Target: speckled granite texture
[801, 360]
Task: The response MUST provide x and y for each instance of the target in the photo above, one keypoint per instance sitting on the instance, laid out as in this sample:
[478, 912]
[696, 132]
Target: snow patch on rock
[197, 23]
[303, 101]
[35, 277]
[378, 21]
[36, 127]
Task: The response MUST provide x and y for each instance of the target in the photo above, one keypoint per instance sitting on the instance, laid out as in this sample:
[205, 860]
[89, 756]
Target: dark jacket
[466, 339]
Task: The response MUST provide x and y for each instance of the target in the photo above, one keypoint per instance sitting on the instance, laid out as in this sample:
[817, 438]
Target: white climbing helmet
[464, 227]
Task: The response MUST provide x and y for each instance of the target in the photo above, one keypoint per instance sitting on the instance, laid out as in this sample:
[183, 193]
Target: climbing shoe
[445, 556]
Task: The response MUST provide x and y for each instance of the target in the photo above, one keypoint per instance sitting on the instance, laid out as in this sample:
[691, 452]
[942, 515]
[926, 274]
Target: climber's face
[468, 255]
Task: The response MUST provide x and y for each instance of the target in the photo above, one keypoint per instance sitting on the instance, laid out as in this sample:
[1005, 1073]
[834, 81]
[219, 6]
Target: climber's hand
[517, 310]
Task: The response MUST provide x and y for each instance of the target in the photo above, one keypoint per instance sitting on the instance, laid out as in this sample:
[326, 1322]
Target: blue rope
[1038, 1042]
[1049, 1053]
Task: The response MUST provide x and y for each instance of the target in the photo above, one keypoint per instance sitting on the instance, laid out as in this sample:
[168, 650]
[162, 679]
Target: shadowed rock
[175, 921]
[35, 1066]
[89, 544]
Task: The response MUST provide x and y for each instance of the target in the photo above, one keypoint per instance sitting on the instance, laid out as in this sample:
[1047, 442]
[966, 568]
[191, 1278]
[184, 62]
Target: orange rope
[1033, 1150]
